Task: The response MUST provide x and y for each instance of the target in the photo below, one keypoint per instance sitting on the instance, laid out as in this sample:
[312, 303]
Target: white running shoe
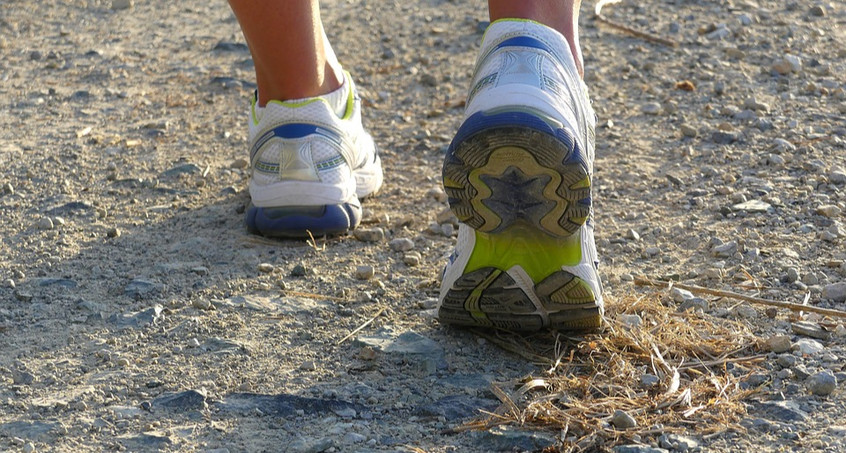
[309, 167]
[518, 176]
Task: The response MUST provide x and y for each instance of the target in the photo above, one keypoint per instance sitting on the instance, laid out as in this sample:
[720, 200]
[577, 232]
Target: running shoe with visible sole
[518, 177]
[310, 167]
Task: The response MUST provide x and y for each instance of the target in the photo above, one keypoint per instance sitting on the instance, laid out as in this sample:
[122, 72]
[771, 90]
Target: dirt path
[137, 314]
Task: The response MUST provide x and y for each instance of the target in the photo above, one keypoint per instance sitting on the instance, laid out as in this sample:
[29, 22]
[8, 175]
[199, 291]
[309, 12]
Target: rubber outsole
[523, 185]
[523, 172]
[296, 222]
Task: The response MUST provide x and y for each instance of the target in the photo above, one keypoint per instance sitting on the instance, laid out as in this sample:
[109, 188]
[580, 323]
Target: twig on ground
[640, 34]
[642, 281]
[366, 323]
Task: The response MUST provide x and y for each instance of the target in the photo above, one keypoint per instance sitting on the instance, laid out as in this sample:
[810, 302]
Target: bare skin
[293, 59]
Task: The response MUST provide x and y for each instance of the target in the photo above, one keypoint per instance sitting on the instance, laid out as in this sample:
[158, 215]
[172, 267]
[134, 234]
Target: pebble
[688, 130]
[752, 206]
[29, 448]
[364, 272]
[265, 268]
[822, 383]
[412, 259]
[807, 346]
[835, 292]
[810, 329]
[680, 295]
[778, 343]
[817, 11]
[792, 275]
[8, 189]
[369, 234]
[437, 194]
[401, 244]
[240, 163]
[299, 271]
[45, 223]
[677, 442]
[652, 108]
[829, 210]
[118, 5]
[630, 321]
[113, 232]
[622, 420]
[202, 304]
[649, 380]
[725, 250]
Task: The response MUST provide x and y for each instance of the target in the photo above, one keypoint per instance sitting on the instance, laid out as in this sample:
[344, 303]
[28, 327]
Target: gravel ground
[137, 314]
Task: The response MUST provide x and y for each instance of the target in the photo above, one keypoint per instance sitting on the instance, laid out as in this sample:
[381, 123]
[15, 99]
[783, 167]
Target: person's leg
[518, 179]
[561, 15]
[311, 159]
[292, 57]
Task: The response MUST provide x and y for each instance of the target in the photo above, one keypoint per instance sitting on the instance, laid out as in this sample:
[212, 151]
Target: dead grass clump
[668, 370]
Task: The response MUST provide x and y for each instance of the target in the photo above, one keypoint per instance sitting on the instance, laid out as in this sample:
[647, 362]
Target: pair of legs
[289, 46]
[517, 174]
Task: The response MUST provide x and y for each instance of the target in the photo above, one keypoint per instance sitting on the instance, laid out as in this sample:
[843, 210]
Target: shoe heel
[511, 168]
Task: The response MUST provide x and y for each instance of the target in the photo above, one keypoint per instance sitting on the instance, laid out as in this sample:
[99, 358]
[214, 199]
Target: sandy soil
[137, 314]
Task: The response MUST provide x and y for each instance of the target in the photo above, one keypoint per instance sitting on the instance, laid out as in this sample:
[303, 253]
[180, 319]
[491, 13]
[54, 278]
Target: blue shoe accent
[482, 121]
[297, 221]
[525, 41]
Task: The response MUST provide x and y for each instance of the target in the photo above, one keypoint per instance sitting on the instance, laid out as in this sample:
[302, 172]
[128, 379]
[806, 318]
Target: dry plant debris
[592, 377]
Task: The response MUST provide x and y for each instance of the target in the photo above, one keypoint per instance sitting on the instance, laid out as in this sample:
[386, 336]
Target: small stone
[680, 295]
[829, 210]
[20, 377]
[8, 189]
[369, 234]
[308, 365]
[745, 311]
[792, 275]
[45, 223]
[822, 383]
[299, 271]
[817, 11]
[193, 343]
[411, 259]
[202, 304]
[810, 329]
[446, 216]
[752, 206]
[632, 235]
[29, 448]
[118, 5]
[364, 272]
[622, 420]
[265, 268]
[778, 343]
[437, 194]
[448, 230]
[688, 130]
[240, 163]
[807, 346]
[652, 108]
[835, 292]
[649, 380]
[354, 438]
[113, 232]
[695, 304]
[840, 330]
[401, 244]
[836, 177]
[725, 250]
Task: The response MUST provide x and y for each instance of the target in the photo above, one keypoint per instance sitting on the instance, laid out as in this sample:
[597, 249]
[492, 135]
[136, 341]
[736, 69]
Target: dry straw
[699, 362]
